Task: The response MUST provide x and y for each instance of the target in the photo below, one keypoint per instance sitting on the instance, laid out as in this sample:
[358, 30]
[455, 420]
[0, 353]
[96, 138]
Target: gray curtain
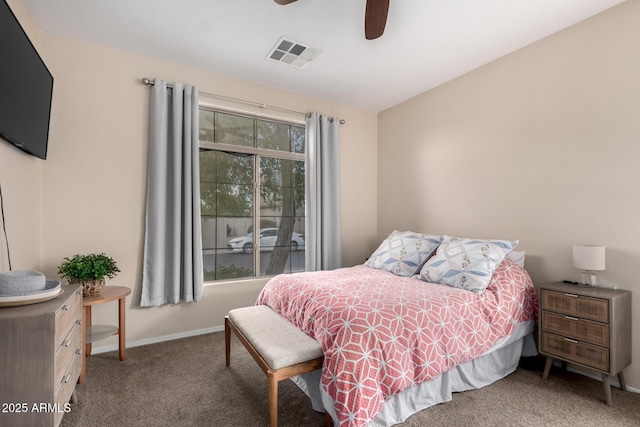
[322, 187]
[172, 270]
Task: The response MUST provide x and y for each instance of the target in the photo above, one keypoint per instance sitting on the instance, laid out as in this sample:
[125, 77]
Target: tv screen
[26, 86]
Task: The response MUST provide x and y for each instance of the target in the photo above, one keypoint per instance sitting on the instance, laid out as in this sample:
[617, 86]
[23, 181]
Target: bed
[424, 317]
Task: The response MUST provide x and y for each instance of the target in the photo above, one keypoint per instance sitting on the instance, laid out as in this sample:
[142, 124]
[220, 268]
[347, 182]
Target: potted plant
[91, 270]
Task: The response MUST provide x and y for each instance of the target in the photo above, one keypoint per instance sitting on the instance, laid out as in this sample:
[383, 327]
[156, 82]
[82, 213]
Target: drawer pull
[66, 343]
[65, 307]
[571, 318]
[571, 295]
[570, 340]
[66, 379]
[77, 351]
[79, 322]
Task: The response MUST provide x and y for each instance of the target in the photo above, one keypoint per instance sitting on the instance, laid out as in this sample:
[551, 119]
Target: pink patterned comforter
[381, 333]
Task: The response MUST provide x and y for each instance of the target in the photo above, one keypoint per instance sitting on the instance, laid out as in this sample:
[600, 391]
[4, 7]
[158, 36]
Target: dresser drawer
[575, 305]
[66, 316]
[576, 351]
[65, 386]
[573, 327]
[67, 350]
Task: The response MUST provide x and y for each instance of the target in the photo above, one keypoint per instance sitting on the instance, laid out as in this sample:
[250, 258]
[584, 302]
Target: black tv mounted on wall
[26, 88]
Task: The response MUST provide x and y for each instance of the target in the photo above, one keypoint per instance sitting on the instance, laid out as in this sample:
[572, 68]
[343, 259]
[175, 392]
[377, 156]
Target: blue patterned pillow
[403, 253]
[466, 263]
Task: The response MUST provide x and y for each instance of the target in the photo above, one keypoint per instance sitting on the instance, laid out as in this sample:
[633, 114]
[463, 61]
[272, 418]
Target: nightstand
[587, 327]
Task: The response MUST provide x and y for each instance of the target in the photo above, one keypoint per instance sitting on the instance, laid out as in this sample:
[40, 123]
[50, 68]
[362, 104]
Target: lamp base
[589, 278]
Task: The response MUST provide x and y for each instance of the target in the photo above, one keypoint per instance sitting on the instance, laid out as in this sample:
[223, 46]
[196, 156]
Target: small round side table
[91, 333]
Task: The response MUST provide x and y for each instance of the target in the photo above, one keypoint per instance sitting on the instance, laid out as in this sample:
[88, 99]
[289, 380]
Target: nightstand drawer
[576, 351]
[573, 327]
[575, 305]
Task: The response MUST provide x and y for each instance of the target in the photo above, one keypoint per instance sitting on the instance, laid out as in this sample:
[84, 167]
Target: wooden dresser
[40, 359]
[587, 327]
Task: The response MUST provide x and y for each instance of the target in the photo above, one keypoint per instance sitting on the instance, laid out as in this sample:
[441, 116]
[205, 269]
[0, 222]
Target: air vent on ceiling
[292, 53]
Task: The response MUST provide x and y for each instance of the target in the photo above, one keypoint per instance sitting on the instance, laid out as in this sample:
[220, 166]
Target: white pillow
[517, 257]
[466, 263]
[403, 253]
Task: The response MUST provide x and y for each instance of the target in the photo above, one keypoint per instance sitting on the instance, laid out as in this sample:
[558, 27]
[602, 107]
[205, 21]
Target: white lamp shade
[588, 257]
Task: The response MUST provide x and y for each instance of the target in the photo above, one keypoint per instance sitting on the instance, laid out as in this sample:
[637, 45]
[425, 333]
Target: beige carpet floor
[185, 383]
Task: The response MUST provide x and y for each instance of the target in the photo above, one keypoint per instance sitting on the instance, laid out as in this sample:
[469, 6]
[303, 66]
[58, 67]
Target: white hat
[26, 287]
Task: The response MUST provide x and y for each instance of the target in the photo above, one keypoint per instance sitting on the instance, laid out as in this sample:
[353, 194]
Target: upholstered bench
[278, 347]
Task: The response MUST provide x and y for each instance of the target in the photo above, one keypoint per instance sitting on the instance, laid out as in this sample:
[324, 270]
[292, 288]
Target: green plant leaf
[84, 268]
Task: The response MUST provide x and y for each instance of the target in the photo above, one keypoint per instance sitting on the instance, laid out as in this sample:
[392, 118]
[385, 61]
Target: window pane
[229, 168]
[273, 136]
[207, 198]
[234, 200]
[226, 184]
[297, 139]
[232, 129]
[234, 168]
[298, 227]
[278, 203]
[298, 175]
[298, 194]
[226, 193]
[206, 126]
[221, 233]
[220, 265]
[293, 263]
[208, 166]
[234, 229]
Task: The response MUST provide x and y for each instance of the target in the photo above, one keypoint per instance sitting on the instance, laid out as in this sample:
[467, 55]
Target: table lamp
[589, 258]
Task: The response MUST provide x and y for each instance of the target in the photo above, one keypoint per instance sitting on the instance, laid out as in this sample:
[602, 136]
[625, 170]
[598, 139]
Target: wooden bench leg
[227, 341]
[273, 400]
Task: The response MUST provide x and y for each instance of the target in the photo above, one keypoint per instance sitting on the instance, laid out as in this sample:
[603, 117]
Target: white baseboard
[155, 340]
[614, 379]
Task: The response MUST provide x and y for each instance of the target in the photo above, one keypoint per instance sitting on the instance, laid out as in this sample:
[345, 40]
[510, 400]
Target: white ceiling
[426, 42]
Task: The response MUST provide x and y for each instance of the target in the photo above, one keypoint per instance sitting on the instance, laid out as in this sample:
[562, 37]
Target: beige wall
[542, 146]
[21, 180]
[95, 176]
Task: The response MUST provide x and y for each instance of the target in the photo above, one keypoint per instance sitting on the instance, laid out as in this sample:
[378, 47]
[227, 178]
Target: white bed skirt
[498, 362]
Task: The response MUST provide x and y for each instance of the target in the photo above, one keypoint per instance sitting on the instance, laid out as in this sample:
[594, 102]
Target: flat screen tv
[26, 87]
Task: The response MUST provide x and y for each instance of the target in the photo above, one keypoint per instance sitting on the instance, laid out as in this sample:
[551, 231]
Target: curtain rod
[147, 81]
[150, 82]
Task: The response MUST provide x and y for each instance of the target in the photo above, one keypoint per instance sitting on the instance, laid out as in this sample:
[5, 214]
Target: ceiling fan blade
[283, 2]
[375, 18]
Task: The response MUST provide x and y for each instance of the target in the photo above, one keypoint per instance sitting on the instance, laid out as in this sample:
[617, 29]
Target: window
[251, 177]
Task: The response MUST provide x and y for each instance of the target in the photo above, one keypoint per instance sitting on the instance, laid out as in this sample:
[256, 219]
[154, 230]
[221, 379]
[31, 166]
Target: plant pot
[91, 288]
